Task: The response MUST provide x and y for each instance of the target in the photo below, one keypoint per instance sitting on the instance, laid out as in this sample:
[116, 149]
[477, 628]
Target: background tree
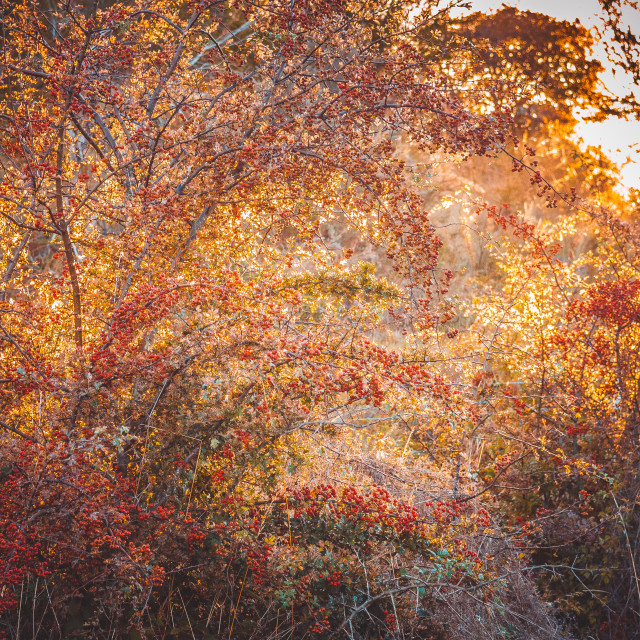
[623, 45]
[545, 66]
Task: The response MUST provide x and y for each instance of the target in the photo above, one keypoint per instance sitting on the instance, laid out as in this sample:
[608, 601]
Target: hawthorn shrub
[215, 424]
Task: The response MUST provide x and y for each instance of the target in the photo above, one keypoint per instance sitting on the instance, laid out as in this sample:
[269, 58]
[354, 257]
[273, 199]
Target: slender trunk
[13, 263]
[63, 228]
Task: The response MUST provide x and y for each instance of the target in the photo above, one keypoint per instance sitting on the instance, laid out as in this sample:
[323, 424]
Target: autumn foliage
[237, 398]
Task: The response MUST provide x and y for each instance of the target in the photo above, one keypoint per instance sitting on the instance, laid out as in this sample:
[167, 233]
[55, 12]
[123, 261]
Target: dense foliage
[243, 394]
